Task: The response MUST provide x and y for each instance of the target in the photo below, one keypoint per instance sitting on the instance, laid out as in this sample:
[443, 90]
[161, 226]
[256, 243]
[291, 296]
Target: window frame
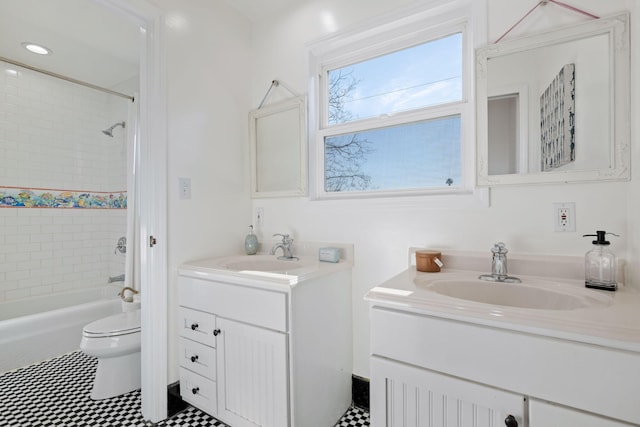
[407, 28]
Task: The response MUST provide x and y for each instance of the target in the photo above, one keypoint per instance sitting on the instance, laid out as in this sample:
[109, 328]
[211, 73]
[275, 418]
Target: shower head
[109, 131]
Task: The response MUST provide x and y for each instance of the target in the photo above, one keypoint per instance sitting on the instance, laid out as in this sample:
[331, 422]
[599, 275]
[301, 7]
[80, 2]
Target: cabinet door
[545, 414]
[407, 396]
[252, 376]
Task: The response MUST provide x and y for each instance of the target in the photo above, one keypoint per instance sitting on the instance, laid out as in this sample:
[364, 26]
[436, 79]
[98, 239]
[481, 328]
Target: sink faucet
[285, 245]
[499, 266]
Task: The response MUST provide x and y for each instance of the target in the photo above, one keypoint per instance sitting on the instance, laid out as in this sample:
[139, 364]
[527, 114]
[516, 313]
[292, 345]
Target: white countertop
[213, 269]
[615, 324]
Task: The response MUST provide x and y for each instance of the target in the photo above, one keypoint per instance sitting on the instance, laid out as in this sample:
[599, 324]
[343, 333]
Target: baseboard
[175, 403]
[359, 395]
[360, 391]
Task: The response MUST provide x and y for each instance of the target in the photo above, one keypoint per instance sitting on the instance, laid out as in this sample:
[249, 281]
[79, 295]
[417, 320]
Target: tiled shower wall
[51, 141]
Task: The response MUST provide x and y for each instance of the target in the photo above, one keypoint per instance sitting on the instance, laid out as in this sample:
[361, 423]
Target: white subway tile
[17, 275]
[16, 293]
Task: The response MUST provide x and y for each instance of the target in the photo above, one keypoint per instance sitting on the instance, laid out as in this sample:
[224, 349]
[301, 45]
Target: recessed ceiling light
[36, 48]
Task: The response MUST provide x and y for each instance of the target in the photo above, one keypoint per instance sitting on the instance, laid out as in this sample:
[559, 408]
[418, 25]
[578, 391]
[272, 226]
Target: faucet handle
[285, 237]
[499, 248]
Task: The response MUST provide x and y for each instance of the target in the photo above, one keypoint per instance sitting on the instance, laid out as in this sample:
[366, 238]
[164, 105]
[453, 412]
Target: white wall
[382, 230]
[207, 95]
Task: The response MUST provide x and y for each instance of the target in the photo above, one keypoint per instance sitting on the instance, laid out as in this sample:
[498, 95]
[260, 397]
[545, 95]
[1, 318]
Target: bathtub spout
[126, 298]
[119, 278]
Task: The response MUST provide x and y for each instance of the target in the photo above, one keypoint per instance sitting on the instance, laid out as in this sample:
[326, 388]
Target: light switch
[184, 188]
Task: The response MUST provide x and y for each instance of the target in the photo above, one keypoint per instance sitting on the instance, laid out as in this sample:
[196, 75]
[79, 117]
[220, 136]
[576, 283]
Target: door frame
[152, 202]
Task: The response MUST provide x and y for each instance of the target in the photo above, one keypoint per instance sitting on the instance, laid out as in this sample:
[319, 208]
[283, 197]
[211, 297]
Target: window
[393, 113]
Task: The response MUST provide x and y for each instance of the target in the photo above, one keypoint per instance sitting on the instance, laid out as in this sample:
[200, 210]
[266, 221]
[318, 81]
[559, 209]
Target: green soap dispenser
[600, 264]
[251, 242]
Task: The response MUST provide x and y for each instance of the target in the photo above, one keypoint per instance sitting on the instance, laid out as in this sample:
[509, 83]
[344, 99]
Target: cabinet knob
[194, 358]
[195, 390]
[511, 421]
[216, 332]
[194, 326]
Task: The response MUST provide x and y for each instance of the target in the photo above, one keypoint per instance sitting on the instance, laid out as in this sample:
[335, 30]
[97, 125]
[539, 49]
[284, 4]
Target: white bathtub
[38, 328]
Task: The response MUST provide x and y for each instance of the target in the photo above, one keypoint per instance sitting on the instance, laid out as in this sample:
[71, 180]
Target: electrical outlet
[260, 216]
[564, 217]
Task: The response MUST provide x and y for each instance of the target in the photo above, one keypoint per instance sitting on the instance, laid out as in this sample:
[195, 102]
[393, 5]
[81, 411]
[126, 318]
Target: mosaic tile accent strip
[56, 393]
[11, 197]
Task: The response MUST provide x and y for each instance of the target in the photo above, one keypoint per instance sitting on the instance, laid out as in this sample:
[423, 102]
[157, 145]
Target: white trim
[521, 93]
[404, 28]
[153, 203]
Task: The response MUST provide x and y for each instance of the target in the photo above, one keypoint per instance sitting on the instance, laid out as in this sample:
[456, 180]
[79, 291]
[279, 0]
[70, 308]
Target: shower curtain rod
[69, 79]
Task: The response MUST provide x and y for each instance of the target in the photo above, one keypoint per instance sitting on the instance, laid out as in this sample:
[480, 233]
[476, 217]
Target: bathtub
[38, 328]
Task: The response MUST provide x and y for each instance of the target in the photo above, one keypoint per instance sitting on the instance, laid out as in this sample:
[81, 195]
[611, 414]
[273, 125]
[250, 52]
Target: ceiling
[258, 10]
[90, 42]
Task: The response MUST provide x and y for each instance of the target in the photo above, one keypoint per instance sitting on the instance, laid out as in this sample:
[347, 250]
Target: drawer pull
[216, 332]
[195, 390]
[194, 326]
[194, 358]
[511, 421]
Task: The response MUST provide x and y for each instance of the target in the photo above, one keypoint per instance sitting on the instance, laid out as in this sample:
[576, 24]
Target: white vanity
[549, 353]
[265, 342]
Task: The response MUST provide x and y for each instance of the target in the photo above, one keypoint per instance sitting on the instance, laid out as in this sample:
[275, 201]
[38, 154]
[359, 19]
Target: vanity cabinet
[265, 354]
[428, 370]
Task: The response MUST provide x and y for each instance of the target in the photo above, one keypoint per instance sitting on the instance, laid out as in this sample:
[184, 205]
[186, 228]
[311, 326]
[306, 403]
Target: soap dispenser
[600, 264]
[251, 242]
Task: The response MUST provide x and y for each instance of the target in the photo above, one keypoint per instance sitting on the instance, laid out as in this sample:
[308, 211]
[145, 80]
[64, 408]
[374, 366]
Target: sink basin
[261, 263]
[547, 296]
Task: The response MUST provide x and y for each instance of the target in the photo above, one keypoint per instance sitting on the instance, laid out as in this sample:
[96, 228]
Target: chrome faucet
[119, 278]
[285, 245]
[499, 266]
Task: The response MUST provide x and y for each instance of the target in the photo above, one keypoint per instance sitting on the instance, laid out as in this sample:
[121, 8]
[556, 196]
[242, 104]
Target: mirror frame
[299, 187]
[617, 27]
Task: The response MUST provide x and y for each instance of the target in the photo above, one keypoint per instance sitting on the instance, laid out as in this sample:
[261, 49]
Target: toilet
[115, 341]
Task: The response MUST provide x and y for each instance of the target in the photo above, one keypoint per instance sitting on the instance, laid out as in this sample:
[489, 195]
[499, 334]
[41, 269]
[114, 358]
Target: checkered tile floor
[55, 393]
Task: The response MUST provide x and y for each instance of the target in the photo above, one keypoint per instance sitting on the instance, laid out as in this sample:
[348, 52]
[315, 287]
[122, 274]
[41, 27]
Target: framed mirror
[555, 107]
[278, 149]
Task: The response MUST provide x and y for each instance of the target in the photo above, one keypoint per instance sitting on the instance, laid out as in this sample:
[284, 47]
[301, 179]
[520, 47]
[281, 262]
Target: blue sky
[420, 76]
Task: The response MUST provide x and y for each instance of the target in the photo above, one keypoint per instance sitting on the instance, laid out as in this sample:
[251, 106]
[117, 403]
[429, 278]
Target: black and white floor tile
[55, 393]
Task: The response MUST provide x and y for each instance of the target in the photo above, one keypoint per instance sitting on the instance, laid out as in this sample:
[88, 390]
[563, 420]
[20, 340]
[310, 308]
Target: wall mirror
[278, 147]
[555, 107]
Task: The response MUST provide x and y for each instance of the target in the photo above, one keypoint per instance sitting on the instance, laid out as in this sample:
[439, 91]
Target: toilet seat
[116, 325]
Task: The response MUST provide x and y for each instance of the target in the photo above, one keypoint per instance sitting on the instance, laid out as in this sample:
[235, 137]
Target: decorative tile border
[11, 197]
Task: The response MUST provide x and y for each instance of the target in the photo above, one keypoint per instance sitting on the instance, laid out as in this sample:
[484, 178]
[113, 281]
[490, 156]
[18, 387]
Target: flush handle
[194, 358]
[195, 390]
[194, 326]
[511, 421]
[216, 332]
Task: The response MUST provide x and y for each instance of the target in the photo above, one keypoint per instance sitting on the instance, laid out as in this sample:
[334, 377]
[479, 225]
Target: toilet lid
[118, 324]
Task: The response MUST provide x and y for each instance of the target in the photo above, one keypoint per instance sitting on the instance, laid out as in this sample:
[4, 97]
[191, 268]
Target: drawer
[199, 391]
[261, 307]
[197, 326]
[198, 358]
